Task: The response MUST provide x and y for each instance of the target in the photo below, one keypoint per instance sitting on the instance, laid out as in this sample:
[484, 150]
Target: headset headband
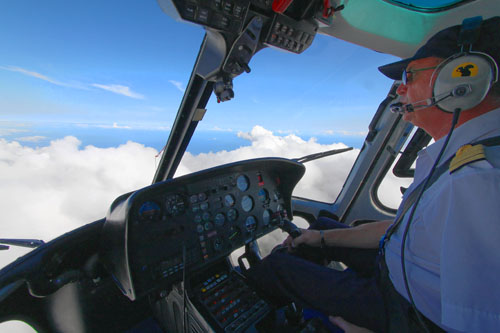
[469, 32]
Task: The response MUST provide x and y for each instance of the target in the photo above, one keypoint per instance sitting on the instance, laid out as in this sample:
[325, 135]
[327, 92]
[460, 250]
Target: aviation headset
[464, 79]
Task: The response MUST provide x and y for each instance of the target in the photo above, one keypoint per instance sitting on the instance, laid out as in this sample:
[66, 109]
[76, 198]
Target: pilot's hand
[308, 237]
[288, 243]
[347, 326]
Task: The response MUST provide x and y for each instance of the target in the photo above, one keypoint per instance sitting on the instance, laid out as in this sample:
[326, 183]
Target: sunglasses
[407, 73]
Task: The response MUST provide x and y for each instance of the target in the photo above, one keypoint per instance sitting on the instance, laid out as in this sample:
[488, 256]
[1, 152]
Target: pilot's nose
[401, 89]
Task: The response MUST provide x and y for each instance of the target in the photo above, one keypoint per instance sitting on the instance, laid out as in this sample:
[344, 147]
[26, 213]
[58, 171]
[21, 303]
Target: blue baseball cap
[445, 43]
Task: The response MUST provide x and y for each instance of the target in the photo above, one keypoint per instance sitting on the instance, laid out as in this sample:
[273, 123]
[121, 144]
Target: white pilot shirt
[452, 251]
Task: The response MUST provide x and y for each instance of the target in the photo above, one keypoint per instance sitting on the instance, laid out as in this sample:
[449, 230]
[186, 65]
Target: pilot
[446, 233]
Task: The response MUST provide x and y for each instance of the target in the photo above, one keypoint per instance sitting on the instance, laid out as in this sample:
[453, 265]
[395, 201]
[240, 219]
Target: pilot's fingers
[347, 326]
[309, 237]
[304, 238]
[287, 241]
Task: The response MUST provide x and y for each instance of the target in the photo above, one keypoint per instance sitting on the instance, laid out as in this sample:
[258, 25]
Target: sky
[122, 66]
[89, 91]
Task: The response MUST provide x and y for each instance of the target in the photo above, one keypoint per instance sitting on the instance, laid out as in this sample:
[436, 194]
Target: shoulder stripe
[465, 155]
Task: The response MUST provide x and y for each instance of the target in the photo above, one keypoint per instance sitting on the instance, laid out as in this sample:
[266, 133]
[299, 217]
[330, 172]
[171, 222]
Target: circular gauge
[197, 218]
[200, 228]
[204, 205]
[229, 200]
[263, 195]
[206, 216]
[266, 217]
[251, 223]
[149, 210]
[193, 199]
[202, 196]
[242, 183]
[247, 203]
[220, 219]
[232, 214]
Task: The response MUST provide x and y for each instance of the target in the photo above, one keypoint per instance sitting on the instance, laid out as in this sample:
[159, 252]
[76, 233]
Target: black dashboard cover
[151, 235]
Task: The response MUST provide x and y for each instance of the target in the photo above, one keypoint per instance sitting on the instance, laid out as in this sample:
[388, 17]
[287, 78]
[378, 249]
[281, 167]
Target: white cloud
[148, 127]
[219, 129]
[114, 125]
[10, 131]
[345, 133]
[287, 131]
[114, 88]
[118, 89]
[35, 138]
[178, 85]
[34, 74]
[50, 190]
[264, 143]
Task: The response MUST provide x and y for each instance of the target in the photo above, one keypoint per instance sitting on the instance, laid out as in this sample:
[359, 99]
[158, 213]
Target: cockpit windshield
[89, 110]
[89, 93]
[291, 106]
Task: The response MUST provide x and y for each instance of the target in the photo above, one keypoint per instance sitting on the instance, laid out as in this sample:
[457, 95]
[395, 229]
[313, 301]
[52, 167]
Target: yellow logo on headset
[465, 69]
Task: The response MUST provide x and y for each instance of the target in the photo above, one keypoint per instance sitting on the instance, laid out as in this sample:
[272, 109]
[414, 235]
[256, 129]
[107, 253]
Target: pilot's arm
[366, 236]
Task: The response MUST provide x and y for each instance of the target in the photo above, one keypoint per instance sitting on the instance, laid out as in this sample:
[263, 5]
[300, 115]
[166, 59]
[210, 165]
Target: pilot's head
[452, 75]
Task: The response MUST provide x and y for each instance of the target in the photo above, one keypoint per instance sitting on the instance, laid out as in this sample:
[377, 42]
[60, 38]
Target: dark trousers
[300, 277]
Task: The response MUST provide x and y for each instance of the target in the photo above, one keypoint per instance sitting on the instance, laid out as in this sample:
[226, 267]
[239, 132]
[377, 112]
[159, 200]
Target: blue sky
[121, 66]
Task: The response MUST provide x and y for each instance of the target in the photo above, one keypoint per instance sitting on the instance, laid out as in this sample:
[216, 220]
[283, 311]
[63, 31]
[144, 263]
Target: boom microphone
[459, 91]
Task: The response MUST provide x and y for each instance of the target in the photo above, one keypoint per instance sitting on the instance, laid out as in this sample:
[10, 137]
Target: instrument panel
[153, 235]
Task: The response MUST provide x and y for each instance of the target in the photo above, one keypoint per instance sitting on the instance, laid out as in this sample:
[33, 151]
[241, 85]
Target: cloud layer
[50, 190]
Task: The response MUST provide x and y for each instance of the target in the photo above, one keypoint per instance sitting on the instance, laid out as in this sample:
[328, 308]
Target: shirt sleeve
[470, 252]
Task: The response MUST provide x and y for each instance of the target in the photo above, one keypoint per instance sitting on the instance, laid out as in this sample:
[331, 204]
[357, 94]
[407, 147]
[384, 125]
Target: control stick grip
[290, 227]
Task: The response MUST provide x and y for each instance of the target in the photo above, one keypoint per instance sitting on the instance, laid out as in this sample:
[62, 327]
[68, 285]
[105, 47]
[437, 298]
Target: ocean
[203, 141]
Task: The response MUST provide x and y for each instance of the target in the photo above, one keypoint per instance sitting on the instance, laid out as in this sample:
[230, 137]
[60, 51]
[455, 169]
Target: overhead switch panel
[227, 15]
[290, 35]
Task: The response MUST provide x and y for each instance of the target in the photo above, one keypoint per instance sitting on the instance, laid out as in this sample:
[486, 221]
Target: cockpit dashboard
[156, 235]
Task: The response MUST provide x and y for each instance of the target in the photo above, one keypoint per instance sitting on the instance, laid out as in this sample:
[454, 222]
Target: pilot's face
[418, 89]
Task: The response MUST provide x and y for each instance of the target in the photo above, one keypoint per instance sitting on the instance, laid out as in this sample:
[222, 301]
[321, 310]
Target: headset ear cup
[468, 78]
